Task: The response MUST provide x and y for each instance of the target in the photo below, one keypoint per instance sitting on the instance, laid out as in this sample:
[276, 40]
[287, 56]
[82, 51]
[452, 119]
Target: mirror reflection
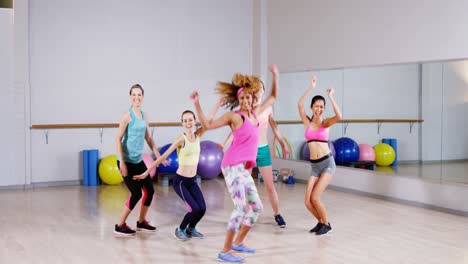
[417, 110]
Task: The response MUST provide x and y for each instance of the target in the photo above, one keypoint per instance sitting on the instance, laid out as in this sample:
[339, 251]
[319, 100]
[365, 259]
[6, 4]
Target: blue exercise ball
[347, 150]
[172, 158]
[209, 164]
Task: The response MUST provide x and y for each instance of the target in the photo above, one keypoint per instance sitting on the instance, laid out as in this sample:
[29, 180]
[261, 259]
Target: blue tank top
[134, 138]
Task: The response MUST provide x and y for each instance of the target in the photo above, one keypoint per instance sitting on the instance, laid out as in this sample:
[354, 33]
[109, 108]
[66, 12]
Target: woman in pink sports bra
[240, 157]
[322, 162]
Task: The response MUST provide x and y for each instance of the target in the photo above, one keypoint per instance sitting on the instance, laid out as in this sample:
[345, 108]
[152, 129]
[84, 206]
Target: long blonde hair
[251, 84]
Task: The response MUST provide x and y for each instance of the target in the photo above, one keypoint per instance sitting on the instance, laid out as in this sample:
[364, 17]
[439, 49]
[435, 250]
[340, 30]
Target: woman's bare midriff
[188, 171]
[318, 150]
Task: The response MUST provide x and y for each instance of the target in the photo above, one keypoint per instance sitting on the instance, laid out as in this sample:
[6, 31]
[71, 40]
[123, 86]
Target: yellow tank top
[190, 152]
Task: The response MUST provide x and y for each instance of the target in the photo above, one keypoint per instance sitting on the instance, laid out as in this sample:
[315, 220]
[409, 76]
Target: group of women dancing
[248, 118]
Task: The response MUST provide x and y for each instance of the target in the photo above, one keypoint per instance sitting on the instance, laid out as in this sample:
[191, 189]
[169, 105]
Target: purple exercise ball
[209, 164]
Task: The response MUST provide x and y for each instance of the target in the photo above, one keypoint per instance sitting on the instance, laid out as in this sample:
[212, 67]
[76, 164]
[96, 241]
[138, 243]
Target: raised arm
[332, 120]
[211, 115]
[177, 143]
[274, 90]
[279, 136]
[208, 124]
[123, 123]
[300, 103]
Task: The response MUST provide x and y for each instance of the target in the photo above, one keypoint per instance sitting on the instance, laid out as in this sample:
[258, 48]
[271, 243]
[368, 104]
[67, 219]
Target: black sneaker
[124, 230]
[145, 226]
[316, 228]
[280, 221]
[324, 229]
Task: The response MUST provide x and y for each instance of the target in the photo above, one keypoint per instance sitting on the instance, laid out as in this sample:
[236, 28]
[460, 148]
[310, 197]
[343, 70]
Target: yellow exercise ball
[384, 154]
[109, 171]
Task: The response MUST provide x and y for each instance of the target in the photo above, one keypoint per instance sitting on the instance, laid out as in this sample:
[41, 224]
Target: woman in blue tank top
[131, 136]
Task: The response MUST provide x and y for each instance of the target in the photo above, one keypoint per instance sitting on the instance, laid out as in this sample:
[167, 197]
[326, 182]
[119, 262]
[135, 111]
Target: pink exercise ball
[366, 152]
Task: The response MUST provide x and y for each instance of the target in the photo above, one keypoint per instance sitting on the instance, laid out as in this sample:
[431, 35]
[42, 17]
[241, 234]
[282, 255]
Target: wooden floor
[75, 224]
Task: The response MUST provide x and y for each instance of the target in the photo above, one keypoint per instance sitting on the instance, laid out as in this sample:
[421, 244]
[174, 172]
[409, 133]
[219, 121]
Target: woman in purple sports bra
[321, 159]
[240, 157]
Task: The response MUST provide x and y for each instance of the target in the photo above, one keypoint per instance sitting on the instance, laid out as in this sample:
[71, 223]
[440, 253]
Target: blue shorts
[263, 156]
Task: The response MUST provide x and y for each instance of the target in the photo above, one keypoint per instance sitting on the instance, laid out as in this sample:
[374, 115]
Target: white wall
[11, 130]
[85, 55]
[260, 38]
[6, 50]
[318, 34]
[22, 90]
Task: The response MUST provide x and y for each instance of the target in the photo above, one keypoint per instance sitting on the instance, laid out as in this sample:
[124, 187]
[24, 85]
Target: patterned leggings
[247, 203]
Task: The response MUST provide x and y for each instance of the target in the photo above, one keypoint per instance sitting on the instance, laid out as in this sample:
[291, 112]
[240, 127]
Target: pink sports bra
[319, 135]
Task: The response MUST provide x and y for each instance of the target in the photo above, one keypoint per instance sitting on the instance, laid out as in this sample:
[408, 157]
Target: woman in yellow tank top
[184, 183]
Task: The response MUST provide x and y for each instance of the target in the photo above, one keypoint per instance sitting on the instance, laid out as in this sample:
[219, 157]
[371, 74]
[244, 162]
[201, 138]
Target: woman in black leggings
[184, 183]
[130, 140]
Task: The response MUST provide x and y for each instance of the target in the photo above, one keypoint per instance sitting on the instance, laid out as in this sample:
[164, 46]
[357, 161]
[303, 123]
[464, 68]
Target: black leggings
[188, 190]
[135, 187]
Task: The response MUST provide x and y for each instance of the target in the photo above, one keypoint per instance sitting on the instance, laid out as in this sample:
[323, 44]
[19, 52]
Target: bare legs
[267, 174]
[315, 188]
